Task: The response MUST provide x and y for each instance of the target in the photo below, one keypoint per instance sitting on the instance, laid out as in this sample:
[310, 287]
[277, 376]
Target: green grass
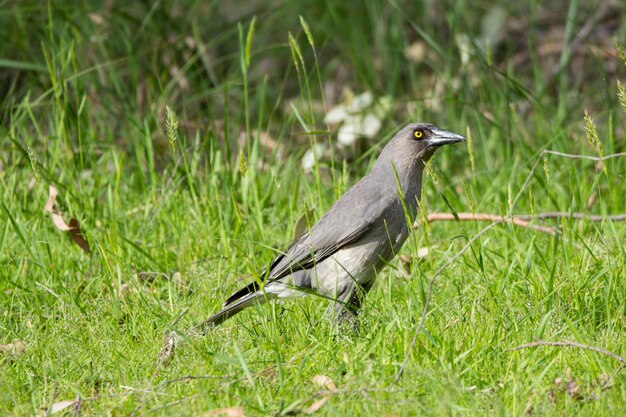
[83, 97]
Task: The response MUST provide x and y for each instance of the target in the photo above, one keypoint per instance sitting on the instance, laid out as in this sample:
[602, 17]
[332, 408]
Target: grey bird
[340, 255]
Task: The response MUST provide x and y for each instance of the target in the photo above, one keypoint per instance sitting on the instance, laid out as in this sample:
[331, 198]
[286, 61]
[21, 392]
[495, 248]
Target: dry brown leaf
[60, 406]
[317, 404]
[57, 218]
[228, 412]
[573, 389]
[17, 348]
[324, 381]
[52, 198]
[568, 385]
[77, 235]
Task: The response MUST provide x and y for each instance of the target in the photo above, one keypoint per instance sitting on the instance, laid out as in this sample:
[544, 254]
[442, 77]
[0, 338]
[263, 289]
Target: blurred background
[116, 65]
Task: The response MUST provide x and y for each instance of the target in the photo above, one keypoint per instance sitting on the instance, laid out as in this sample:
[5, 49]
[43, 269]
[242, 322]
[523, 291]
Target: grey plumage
[341, 254]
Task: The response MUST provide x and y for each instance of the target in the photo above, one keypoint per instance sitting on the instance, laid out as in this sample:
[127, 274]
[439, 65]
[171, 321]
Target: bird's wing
[299, 255]
[305, 254]
[339, 227]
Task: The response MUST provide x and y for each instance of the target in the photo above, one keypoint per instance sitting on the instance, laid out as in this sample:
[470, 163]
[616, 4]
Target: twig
[571, 343]
[587, 157]
[521, 220]
[577, 216]
[486, 217]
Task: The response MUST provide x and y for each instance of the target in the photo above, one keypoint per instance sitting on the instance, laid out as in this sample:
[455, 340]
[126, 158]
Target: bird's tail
[232, 307]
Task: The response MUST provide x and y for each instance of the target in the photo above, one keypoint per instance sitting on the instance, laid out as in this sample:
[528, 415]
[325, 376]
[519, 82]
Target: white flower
[336, 115]
[357, 118]
[309, 157]
[356, 126]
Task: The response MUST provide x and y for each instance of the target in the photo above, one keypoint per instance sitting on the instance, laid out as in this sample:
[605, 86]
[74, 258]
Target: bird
[340, 256]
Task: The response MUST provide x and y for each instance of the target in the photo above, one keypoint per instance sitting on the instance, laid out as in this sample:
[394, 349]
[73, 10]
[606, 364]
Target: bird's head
[424, 139]
[417, 142]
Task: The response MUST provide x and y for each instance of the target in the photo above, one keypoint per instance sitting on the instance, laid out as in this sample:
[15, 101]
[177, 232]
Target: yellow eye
[418, 134]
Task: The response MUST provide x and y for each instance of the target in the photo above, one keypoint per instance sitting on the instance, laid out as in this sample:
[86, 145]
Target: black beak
[443, 137]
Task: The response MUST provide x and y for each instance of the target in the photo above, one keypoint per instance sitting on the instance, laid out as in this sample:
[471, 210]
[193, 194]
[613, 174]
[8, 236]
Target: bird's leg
[344, 310]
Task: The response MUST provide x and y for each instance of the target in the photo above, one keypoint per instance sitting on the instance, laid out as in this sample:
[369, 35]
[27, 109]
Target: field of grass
[174, 133]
